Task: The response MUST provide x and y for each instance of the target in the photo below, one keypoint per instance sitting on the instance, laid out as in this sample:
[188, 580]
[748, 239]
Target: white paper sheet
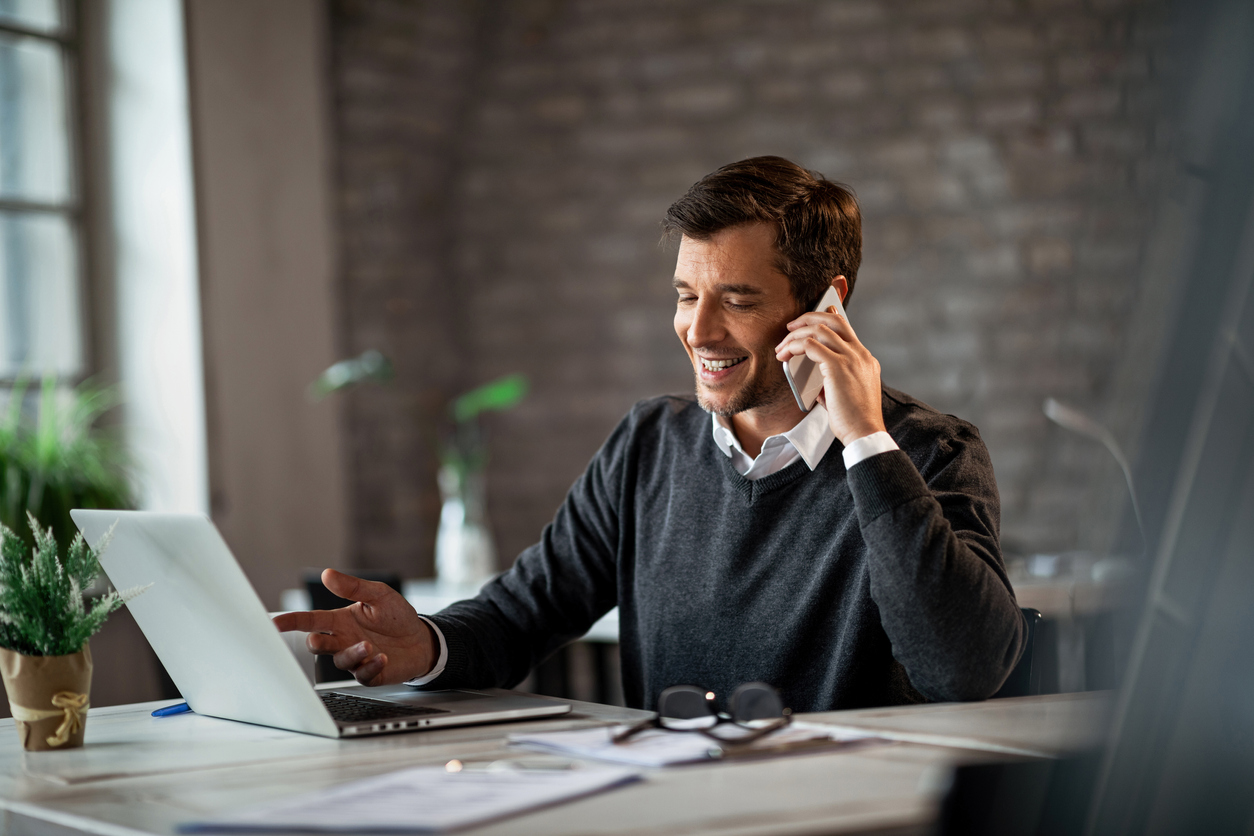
[657, 747]
[426, 799]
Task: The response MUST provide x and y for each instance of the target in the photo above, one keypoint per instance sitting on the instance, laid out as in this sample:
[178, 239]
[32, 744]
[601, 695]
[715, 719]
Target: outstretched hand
[380, 639]
[851, 374]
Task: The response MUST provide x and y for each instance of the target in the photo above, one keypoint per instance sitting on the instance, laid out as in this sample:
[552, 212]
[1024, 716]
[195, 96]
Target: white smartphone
[804, 376]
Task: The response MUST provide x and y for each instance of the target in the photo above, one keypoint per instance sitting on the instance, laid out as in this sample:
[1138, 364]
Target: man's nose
[706, 326]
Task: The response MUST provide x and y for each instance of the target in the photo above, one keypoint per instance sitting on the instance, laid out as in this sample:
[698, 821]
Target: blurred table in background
[1080, 597]
[1070, 585]
[1076, 642]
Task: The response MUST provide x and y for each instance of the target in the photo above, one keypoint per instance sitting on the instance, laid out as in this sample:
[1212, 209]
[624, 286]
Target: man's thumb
[354, 589]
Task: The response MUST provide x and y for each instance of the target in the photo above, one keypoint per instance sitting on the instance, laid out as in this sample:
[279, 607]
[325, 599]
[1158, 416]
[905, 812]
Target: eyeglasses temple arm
[756, 735]
[632, 731]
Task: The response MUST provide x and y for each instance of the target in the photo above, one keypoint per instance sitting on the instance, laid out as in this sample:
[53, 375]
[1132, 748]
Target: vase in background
[464, 553]
[48, 696]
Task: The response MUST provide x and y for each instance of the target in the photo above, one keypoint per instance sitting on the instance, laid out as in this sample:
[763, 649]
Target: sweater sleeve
[555, 591]
[935, 567]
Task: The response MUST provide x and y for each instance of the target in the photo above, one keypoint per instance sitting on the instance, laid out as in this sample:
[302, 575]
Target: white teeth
[715, 365]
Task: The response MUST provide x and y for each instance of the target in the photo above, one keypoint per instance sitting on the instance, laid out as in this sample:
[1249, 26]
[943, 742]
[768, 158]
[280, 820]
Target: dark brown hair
[818, 228]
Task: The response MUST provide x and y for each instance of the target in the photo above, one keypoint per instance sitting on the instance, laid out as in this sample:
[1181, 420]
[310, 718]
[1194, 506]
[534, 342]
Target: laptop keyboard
[352, 709]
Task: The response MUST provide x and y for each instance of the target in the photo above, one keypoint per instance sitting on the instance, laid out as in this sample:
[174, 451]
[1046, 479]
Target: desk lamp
[1073, 419]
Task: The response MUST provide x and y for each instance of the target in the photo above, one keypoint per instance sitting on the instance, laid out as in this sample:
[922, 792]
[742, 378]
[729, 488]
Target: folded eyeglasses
[755, 710]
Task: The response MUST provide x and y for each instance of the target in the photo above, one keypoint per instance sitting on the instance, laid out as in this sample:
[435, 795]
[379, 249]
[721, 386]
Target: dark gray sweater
[882, 585]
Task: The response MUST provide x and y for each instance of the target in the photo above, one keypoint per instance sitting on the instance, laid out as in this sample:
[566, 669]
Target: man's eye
[683, 300]
[737, 306]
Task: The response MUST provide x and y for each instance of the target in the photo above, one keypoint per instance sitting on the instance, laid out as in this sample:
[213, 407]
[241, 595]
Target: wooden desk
[139, 774]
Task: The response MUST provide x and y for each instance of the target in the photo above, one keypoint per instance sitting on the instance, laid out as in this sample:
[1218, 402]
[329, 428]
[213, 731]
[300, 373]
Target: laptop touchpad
[441, 697]
[407, 695]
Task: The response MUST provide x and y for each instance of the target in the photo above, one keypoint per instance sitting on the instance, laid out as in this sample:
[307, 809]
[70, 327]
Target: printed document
[426, 799]
[659, 747]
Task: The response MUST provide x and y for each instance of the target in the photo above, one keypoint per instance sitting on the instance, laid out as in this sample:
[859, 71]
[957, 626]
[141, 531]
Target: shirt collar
[812, 437]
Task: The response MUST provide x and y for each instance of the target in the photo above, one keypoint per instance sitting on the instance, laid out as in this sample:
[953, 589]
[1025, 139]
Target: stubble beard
[758, 392]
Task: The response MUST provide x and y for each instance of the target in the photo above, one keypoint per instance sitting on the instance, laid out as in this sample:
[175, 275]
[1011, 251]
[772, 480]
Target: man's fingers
[360, 659]
[371, 671]
[818, 352]
[352, 657]
[355, 589]
[317, 621]
[321, 644]
[829, 318]
[796, 343]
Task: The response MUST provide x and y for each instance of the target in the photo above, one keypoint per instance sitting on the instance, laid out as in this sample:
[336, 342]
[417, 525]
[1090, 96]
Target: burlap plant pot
[48, 697]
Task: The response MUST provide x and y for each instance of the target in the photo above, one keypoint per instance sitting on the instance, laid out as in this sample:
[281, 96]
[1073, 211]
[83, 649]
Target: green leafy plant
[42, 609]
[499, 395]
[464, 451]
[60, 460]
[464, 550]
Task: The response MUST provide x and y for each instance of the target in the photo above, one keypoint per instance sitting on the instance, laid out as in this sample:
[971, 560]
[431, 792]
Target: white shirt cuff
[439, 663]
[866, 447]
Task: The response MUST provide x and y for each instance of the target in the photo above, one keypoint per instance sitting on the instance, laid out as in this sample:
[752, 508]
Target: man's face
[732, 311]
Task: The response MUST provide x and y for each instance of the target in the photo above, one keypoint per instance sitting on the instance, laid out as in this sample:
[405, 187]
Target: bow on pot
[73, 706]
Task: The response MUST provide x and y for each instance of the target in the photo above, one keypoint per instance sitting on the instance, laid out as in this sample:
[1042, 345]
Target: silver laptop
[208, 627]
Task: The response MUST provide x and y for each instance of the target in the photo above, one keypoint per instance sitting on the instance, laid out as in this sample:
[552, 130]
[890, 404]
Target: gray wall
[503, 167]
[262, 157]
[262, 160]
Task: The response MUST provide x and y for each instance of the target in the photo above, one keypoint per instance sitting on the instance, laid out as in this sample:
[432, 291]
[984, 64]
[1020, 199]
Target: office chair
[1025, 679]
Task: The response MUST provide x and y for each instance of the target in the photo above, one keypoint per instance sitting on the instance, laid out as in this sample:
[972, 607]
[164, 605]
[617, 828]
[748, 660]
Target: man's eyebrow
[735, 289]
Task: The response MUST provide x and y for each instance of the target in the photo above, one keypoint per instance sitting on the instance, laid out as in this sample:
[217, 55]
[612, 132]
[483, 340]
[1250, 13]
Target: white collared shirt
[809, 440]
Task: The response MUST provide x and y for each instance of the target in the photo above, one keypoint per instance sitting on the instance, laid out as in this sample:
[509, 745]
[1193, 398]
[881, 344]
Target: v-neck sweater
[880, 585]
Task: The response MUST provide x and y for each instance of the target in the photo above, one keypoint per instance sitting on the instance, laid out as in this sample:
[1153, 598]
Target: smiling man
[737, 543]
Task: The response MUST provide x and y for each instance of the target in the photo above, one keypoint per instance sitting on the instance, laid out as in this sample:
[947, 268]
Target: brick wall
[402, 77]
[504, 167]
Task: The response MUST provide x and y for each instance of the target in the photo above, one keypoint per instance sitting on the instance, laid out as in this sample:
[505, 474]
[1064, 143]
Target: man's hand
[851, 376]
[380, 639]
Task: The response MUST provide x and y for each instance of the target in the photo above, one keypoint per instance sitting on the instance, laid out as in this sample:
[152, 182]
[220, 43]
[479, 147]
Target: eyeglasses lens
[755, 701]
[683, 702]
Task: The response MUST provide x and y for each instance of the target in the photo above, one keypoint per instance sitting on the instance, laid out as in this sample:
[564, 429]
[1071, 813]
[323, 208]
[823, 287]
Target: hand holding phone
[822, 355]
[804, 375]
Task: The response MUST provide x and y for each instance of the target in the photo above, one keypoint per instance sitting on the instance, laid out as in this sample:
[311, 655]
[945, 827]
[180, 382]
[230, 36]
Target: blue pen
[170, 710]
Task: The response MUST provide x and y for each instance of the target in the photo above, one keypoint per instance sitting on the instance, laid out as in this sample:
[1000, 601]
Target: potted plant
[45, 623]
[59, 459]
[465, 555]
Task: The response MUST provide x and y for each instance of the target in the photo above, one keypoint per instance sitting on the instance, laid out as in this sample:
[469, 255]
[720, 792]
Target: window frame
[69, 39]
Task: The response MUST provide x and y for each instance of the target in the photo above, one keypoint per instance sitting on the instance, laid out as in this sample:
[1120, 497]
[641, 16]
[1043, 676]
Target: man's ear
[842, 287]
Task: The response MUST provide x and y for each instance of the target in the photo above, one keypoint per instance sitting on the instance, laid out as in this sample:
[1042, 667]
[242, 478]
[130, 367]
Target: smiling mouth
[718, 365]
